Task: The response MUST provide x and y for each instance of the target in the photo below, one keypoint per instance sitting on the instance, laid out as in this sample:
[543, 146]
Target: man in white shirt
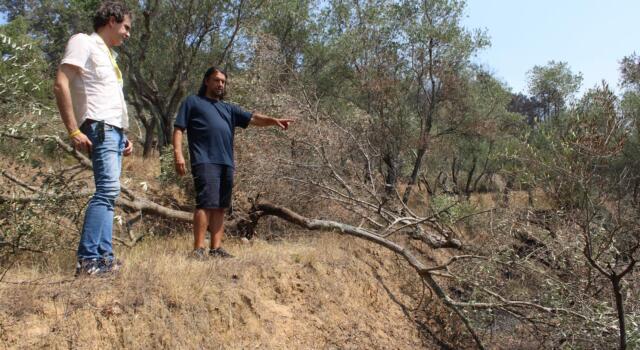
[88, 89]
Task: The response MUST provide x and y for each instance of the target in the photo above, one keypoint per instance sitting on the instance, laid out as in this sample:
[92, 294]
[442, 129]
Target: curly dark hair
[108, 9]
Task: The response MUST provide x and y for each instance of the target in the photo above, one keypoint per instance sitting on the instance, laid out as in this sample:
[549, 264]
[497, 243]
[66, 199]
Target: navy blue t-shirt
[210, 128]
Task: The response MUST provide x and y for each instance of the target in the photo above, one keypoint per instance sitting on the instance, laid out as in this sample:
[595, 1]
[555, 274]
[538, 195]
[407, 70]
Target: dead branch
[129, 243]
[268, 209]
[137, 204]
[42, 196]
[16, 247]
[453, 259]
[237, 225]
[18, 181]
[434, 241]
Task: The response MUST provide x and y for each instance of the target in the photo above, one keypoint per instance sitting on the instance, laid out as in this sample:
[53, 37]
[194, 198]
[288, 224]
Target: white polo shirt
[96, 93]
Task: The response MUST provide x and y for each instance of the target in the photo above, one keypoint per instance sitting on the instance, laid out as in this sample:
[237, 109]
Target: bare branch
[18, 181]
[453, 259]
[263, 209]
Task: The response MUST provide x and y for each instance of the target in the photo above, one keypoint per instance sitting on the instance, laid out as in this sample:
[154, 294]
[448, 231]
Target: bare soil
[315, 292]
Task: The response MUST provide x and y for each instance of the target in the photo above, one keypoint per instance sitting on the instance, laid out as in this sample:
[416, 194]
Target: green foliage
[630, 104]
[288, 21]
[168, 174]
[24, 88]
[44, 225]
[52, 22]
[485, 128]
[633, 322]
[404, 64]
[630, 71]
[585, 165]
[14, 234]
[449, 209]
[553, 85]
[577, 156]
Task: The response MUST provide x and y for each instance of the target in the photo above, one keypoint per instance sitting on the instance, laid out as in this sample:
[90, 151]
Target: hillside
[415, 202]
[316, 292]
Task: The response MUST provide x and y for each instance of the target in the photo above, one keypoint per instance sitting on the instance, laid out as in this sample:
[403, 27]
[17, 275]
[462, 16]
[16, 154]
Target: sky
[592, 36]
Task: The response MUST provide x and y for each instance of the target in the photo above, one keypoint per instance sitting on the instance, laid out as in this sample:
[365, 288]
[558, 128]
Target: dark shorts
[213, 184]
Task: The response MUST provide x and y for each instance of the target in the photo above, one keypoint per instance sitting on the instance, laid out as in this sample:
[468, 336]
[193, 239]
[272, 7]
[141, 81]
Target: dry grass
[319, 292]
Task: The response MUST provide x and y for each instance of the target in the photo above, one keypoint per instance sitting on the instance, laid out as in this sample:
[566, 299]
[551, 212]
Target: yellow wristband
[75, 133]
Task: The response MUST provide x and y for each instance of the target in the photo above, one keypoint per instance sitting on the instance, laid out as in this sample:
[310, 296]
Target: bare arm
[258, 119]
[177, 151]
[61, 88]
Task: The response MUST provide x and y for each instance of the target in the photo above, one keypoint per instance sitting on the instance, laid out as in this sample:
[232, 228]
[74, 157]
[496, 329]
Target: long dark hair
[202, 92]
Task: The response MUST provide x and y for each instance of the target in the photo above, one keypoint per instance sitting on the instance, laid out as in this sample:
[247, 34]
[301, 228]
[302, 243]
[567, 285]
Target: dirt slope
[318, 292]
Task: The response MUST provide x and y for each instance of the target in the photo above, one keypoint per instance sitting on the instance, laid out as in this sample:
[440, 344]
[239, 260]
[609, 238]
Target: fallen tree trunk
[265, 209]
[427, 274]
[136, 204]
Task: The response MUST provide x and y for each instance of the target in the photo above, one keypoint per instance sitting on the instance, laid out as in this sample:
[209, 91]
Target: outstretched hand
[284, 123]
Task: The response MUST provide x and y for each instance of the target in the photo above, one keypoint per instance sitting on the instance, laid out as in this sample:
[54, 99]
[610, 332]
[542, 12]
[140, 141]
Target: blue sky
[592, 36]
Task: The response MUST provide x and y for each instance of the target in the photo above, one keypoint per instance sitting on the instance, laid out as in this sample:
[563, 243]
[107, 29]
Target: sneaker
[219, 253]
[87, 267]
[198, 254]
[109, 266]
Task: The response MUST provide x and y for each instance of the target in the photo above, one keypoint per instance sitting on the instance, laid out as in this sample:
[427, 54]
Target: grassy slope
[316, 292]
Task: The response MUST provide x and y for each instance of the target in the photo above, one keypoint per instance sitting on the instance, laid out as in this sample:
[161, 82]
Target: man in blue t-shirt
[210, 123]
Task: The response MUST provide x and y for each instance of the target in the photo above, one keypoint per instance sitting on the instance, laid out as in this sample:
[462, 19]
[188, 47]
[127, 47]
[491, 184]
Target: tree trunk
[617, 291]
[167, 129]
[430, 190]
[414, 174]
[467, 187]
[148, 138]
[454, 174]
[393, 169]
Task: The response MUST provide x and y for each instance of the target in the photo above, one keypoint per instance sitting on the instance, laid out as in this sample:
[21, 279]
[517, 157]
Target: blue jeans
[106, 156]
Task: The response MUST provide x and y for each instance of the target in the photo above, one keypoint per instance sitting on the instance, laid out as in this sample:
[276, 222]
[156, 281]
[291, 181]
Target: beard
[217, 93]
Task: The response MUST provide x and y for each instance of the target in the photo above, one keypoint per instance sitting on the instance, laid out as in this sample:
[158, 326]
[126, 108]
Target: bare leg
[200, 223]
[216, 227]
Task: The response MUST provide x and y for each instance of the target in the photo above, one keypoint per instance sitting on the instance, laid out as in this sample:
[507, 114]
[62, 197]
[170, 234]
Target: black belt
[91, 121]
